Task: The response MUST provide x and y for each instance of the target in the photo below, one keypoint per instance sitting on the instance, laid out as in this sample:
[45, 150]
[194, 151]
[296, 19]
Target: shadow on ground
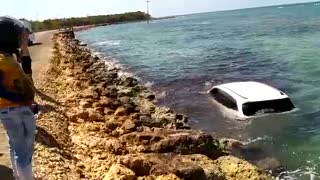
[43, 137]
[6, 173]
[46, 97]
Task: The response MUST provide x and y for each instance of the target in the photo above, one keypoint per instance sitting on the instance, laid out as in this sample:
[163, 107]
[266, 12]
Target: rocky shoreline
[101, 124]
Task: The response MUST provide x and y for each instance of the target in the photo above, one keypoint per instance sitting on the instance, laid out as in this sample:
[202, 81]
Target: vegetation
[51, 24]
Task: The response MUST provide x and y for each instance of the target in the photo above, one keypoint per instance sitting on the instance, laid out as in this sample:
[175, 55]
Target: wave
[258, 139]
[204, 23]
[303, 172]
[109, 42]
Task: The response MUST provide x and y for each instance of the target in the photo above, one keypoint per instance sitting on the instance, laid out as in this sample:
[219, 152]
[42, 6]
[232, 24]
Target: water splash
[109, 42]
[258, 139]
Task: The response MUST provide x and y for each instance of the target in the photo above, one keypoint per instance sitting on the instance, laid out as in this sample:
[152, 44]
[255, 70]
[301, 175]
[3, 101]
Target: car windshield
[272, 106]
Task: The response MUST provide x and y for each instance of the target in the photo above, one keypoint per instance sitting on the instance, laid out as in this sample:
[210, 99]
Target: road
[40, 54]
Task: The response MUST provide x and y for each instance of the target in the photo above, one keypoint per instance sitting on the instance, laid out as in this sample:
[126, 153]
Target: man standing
[16, 96]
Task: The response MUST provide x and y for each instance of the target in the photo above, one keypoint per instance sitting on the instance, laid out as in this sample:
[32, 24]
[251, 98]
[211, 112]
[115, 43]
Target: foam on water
[111, 43]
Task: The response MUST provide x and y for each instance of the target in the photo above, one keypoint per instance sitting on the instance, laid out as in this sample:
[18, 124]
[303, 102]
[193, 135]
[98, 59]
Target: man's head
[11, 30]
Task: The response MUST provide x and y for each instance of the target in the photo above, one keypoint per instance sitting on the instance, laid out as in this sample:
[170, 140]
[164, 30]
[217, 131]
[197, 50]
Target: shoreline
[100, 125]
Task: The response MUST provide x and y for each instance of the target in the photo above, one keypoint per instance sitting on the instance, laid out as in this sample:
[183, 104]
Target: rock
[197, 167]
[108, 111]
[111, 126]
[96, 104]
[129, 125]
[150, 96]
[115, 147]
[182, 117]
[96, 58]
[130, 82]
[168, 177]
[188, 170]
[129, 108]
[112, 92]
[125, 100]
[237, 169]
[94, 115]
[82, 44]
[121, 111]
[269, 164]
[119, 172]
[145, 120]
[140, 165]
[73, 116]
[130, 92]
[231, 145]
[85, 104]
[105, 101]
[115, 104]
[170, 140]
[89, 93]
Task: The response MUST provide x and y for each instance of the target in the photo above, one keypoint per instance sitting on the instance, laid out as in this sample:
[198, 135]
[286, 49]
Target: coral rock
[119, 172]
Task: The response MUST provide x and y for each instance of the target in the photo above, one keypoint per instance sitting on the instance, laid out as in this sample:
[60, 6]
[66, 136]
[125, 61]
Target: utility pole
[148, 14]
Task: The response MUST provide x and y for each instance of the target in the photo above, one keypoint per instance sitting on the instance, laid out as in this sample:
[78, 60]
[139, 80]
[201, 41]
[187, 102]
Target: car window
[272, 106]
[224, 98]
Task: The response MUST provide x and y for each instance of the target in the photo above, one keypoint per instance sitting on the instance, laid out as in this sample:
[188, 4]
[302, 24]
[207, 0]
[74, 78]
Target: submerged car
[251, 98]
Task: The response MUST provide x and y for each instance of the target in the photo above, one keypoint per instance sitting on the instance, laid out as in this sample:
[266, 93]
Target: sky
[42, 9]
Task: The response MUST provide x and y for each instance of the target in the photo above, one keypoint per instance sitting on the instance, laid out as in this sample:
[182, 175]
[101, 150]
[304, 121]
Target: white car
[28, 26]
[251, 98]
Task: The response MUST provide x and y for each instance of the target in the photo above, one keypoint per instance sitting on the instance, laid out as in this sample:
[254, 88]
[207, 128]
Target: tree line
[51, 24]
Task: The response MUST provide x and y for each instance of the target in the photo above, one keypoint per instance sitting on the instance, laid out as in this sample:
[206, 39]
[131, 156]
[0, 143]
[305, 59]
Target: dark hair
[10, 32]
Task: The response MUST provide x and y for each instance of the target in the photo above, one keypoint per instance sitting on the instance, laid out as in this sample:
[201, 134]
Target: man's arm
[25, 55]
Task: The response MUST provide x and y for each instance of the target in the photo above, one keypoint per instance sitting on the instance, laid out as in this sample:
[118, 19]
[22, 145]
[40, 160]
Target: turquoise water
[185, 56]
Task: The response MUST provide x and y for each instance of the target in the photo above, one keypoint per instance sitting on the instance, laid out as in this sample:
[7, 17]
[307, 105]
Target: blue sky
[41, 9]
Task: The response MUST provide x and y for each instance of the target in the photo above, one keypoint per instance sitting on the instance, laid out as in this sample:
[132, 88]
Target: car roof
[252, 91]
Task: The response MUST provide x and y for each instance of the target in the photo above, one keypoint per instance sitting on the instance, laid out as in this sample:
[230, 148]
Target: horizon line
[235, 9]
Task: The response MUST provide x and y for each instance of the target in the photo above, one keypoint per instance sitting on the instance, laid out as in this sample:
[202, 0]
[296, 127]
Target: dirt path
[40, 54]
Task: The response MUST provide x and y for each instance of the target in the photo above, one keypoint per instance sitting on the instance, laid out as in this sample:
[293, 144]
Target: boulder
[139, 164]
[129, 125]
[129, 82]
[95, 115]
[237, 169]
[172, 141]
[121, 111]
[108, 111]
[125, 100]
[89, 93]
[74, 115]
[85, 104]
[168, 177]
[105, 101]
[150, 96]
[111, 125]
[193, 167]
[119, 172]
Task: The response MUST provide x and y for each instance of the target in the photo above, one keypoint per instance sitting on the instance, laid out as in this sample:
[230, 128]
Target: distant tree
[51, 24]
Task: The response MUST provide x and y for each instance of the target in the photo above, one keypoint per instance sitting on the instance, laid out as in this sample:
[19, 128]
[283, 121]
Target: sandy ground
[40, 53]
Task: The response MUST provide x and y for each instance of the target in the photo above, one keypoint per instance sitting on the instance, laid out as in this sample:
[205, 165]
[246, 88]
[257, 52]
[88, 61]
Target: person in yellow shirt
[16, 97]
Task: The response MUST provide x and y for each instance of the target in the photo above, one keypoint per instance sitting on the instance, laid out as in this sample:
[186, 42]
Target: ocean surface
[181, 58]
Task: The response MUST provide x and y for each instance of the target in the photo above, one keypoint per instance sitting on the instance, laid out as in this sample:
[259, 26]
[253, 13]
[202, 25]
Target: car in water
[28, 26]
[249, 99]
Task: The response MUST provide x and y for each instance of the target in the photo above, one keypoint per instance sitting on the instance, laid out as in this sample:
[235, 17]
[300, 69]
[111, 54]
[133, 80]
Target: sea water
[183, 57]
